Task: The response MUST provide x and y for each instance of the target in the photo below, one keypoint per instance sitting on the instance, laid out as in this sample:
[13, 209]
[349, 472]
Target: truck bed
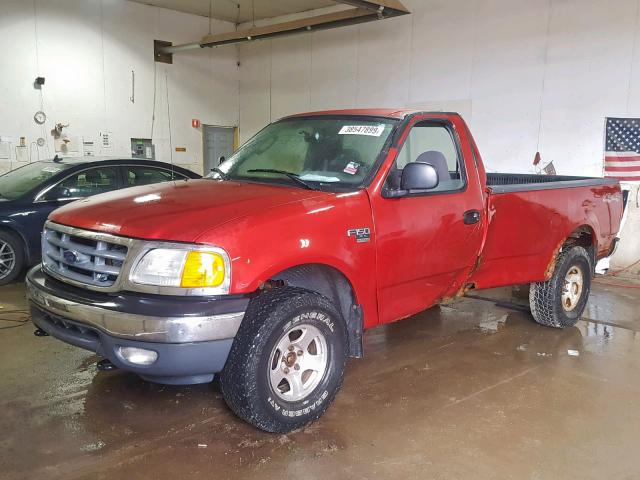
[521, 182]
[532, 215]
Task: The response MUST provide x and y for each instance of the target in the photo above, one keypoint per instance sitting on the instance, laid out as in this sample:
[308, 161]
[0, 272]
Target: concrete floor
[470, 390]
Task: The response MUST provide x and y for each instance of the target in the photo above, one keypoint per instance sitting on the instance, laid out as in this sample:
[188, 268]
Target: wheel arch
[333, 284]
[584, 236]
[581, 236]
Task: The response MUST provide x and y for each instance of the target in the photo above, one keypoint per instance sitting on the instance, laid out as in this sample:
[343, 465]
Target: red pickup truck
[319, 227]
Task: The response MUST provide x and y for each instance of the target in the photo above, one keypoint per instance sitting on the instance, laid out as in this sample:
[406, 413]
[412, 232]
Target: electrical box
[143, 148]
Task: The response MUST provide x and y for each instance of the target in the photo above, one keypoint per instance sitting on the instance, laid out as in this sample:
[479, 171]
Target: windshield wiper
[293, 176]
[222, 174]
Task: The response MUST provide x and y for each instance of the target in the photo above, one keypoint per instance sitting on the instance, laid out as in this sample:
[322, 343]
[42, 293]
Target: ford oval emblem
[70, 256]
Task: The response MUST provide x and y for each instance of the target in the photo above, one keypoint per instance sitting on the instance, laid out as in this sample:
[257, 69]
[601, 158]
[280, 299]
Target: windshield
[19, 181]
[320, 151]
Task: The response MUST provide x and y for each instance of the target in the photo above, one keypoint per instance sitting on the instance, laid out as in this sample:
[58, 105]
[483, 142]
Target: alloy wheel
[7, 259]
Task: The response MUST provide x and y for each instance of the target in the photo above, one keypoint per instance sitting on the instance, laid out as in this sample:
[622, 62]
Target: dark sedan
[30, 193]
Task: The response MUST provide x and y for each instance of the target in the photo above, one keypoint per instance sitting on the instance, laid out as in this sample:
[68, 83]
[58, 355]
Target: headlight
[183, 268]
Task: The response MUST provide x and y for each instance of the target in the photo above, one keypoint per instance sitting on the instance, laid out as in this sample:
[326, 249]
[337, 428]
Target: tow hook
[40, 333]
[105, 365]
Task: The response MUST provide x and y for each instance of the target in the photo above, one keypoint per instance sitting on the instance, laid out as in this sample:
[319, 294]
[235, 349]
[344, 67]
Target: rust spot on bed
[551, 266]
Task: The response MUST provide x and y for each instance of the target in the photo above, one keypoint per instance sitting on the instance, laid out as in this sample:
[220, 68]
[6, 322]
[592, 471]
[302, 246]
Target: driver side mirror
[419, 176]
[221, 159]
[415, 176]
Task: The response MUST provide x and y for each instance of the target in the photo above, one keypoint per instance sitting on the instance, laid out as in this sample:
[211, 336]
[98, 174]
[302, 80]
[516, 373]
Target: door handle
[471, 217]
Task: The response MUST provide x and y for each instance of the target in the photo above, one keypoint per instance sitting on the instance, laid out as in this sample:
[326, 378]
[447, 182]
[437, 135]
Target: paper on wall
[88, 147]
[5, 150]
[22, 154]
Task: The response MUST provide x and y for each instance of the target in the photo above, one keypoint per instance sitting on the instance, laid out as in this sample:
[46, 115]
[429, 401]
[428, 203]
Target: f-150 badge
[361, 234]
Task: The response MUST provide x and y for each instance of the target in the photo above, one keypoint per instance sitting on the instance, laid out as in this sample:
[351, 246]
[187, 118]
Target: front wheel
[560, 301]
[11, 257]
[287, 360]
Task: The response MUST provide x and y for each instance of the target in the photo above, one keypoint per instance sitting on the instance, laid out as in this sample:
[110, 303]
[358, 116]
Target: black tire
[11, 242]
[545, 298]
[245, 381]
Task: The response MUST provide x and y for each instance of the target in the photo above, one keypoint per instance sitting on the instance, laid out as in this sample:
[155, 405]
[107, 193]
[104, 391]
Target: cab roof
[394, 113]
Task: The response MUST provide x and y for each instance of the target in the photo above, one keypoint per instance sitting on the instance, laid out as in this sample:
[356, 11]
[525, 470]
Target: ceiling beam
[365, 11]
[377, 5]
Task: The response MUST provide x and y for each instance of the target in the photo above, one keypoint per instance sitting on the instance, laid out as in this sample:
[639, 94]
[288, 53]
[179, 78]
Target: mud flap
[355, 329]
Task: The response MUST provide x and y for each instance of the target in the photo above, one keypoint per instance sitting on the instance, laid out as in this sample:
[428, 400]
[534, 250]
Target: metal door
[427, 242]
[217, 142]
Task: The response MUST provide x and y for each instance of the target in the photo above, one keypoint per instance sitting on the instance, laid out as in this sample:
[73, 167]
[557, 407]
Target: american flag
[622, 151]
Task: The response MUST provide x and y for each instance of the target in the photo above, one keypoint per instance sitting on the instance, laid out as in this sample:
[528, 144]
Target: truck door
[427, 242]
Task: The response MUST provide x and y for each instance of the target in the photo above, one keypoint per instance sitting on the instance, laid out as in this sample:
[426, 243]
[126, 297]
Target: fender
[363, 287]
[298, 261]
[314, 231]
[591, 221]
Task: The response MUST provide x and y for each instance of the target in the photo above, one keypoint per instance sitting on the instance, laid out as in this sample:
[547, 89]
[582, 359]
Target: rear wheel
[560, 301]
[287, 360]
[11, 257]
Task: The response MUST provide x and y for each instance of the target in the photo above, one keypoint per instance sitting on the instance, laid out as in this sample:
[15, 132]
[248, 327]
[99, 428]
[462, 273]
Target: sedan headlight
[184, 269]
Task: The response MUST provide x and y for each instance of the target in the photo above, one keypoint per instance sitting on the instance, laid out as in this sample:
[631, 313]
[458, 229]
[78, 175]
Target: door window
[141, 175]
[84, 184]
[432, 143]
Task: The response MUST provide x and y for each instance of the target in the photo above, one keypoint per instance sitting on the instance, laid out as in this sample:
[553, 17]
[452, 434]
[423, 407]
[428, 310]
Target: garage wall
[528, 75]
[86, 50]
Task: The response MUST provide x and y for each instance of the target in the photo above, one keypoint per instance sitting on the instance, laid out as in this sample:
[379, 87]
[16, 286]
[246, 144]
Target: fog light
[139, 356]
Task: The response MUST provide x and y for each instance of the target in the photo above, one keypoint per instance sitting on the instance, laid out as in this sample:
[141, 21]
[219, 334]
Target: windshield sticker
[351, 168]
[369, 130]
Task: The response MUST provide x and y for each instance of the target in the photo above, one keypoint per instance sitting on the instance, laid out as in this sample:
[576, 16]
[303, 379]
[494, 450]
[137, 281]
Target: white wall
[528, 75]
[86, 50]
[626, 261]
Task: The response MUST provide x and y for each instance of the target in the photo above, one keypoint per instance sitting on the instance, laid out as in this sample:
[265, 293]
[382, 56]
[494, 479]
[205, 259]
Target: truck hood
[175, 211]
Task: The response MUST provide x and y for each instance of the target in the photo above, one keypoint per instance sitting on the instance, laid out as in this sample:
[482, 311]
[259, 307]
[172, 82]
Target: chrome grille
[82, 256]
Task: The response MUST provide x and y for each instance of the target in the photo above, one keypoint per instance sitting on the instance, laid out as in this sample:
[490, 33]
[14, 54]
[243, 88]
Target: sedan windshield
[21, 180]
[312, 152]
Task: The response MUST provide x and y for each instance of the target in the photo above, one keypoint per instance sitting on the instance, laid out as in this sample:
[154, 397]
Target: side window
[431, 143]
[85, 183]
[136, 175]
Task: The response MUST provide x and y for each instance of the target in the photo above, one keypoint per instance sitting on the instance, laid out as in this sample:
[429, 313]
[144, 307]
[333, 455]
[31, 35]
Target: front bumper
[192, 336]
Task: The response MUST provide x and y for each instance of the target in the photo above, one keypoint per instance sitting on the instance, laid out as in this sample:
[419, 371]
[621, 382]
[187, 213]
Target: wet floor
[470, 390]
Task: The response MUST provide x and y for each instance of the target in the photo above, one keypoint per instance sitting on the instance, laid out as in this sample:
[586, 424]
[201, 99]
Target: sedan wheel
[7, 259]
[12, 256]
